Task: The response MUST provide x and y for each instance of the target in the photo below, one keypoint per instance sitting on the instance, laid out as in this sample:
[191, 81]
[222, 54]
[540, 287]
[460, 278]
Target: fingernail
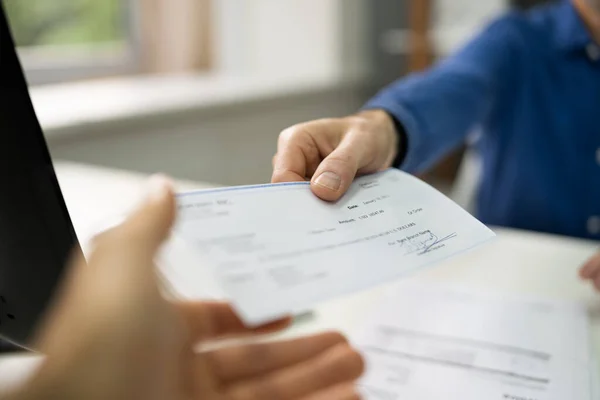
[159, 186]
[329, 180]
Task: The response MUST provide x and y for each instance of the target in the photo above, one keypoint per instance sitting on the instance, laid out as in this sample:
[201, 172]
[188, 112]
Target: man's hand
[111, 335]
[331, 152]
[591, 271]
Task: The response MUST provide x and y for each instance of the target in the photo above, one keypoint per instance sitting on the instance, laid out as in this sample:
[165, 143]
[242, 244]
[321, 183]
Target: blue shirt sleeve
[438, 108]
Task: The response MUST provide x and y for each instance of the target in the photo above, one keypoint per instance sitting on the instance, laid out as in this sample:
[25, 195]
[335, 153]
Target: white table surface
[516, 262]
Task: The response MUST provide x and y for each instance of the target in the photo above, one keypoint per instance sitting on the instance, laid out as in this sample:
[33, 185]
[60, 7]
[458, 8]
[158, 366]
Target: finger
[147, 227]
[124, 256]
[335, 174]
[596, 282]
[336, 365]
[590, 268]
[591, 272]
[151, 223]
[345, 391]
[289, 166]
[283, 176]
[242, 362]
[209, 320]
[301, 148]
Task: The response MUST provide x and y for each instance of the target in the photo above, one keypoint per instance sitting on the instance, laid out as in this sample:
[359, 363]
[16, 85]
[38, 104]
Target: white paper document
[278, 249]
[437, 342]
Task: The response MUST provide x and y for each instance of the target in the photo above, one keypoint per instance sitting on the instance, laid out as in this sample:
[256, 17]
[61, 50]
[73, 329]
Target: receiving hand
[591, 270]
[331, 152]
[111, 335]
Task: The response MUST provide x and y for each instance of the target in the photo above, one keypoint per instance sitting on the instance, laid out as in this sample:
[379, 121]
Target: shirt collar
[571, 32]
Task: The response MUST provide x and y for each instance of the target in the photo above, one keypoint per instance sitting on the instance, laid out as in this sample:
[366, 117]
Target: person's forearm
[432, 113]
[436, 110]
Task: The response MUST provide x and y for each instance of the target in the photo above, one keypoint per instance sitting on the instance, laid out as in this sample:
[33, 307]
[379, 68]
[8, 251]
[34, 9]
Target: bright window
[62, 40]
[67, 22]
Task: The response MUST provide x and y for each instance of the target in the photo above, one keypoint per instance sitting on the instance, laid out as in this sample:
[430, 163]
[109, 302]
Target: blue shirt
[530, 83]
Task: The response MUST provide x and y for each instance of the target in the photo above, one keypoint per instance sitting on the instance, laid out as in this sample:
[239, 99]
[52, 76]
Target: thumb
[137, 239]
[150, 225]
[336, 172]
[127, 252]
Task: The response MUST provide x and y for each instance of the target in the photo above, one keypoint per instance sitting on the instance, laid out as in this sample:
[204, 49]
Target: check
[277, 249]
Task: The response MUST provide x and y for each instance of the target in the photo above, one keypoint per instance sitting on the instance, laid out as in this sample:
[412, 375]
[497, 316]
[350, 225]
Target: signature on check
[424, 242]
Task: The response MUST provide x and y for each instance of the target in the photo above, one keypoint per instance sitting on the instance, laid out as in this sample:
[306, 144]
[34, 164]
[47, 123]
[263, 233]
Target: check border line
[240, 188]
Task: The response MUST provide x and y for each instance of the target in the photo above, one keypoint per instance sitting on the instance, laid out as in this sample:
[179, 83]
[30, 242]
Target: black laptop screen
[36, 234]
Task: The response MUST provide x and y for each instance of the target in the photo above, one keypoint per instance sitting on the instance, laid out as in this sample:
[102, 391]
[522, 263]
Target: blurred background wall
[200, 89]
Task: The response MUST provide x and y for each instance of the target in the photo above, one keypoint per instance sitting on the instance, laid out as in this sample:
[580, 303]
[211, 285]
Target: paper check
[277, 249]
